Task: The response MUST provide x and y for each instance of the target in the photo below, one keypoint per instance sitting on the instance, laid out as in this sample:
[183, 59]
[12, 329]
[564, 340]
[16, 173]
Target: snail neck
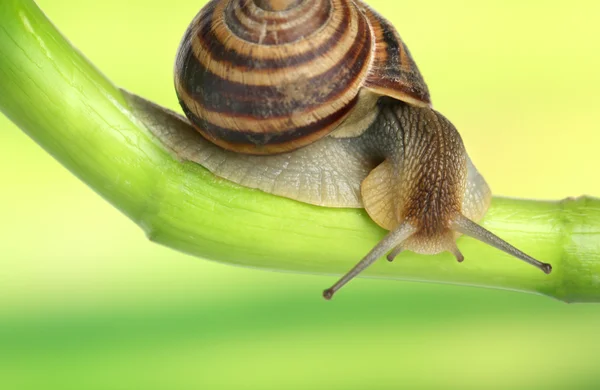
[423, 177]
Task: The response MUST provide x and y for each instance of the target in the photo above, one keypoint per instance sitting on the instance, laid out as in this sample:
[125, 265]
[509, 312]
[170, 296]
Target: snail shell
[264, 77]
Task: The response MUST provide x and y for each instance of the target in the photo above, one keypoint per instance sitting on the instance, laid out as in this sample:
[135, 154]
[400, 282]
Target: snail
[321, 101]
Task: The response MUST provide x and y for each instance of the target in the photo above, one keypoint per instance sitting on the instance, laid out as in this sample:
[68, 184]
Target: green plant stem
[69, 108]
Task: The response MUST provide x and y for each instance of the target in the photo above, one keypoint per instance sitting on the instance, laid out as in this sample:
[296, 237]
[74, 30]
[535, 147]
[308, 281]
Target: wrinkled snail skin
[320, 101]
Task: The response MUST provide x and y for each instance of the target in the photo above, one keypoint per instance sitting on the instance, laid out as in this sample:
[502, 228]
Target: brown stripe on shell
[253, 70]
[394, 72]
[230, 42]
[284, 31]
[267, 143]
[269, 108]
[272, 21]
[250, 11]
[277, 5]
[236, 92]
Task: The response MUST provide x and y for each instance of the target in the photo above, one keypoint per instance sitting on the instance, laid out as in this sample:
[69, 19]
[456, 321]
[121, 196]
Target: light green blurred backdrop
[87, 303]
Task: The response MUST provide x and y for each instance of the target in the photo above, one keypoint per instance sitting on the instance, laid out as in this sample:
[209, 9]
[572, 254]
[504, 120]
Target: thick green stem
[68, 107]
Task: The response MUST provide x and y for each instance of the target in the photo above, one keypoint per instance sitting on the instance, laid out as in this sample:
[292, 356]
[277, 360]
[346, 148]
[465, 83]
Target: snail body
[320, 101]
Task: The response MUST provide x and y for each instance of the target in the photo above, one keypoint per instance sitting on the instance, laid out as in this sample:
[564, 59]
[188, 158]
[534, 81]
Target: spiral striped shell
[270, 76]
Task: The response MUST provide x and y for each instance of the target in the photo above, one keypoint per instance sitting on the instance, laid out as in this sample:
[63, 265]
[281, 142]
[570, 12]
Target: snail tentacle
[395, 252]
[465, 226]
[391, 240]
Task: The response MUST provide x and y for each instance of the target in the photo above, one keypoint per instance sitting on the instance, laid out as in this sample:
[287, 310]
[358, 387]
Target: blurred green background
[86, 302]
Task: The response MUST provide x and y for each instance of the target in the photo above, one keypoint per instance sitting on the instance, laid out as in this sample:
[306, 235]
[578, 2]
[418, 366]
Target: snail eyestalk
[456, 252]
[393, 239]
[395, 252]
[465, 226]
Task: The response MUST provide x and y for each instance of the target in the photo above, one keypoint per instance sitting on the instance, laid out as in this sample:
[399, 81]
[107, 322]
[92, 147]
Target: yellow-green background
[87, 303]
